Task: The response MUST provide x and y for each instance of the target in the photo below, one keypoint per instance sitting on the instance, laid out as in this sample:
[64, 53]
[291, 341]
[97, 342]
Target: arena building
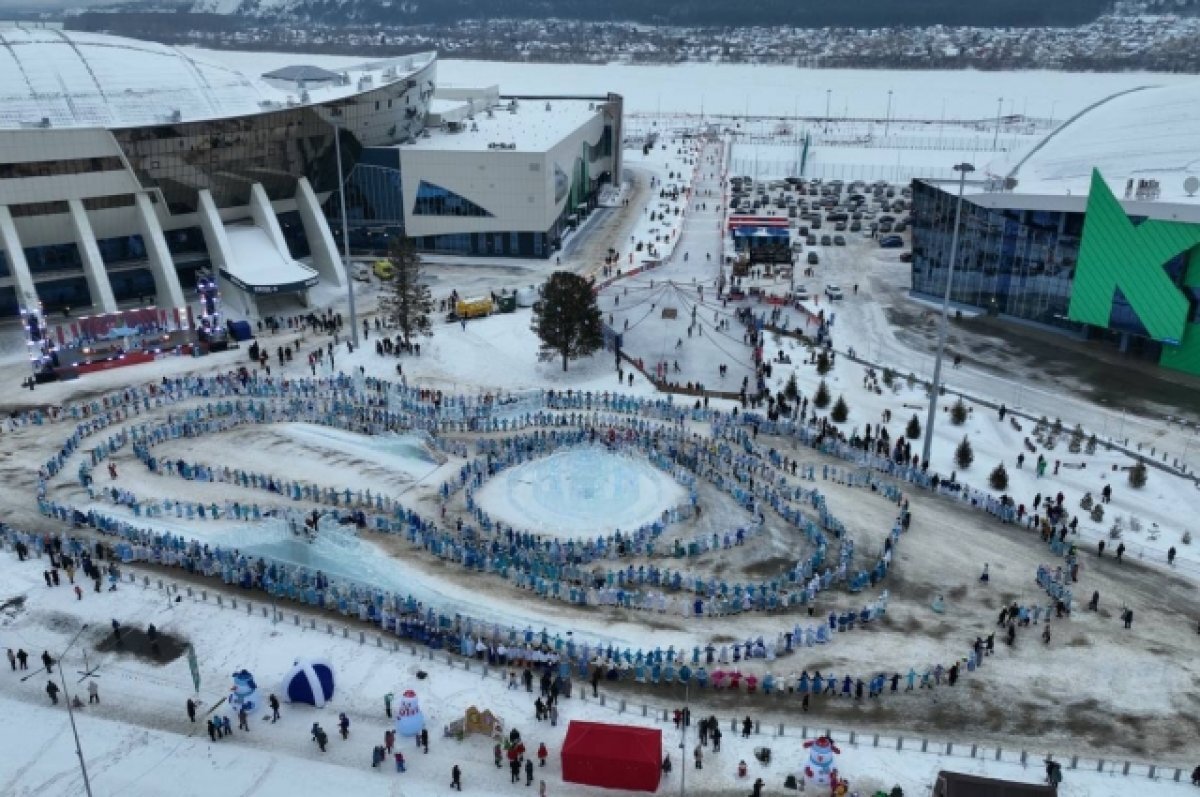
[131, 171]
[1093, 232]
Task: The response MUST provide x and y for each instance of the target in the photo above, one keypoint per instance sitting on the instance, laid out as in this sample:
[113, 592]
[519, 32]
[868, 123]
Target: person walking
[389, 740]
[424, 740]
[93, 692]
[212, 730]
[273, 702]
[22, 659]
[1171, 555]
[1128, 617]
[387, 705]
[52, 691]
[1120, 551]
[528, 772]
[47, 661]
[399, 758]
[377, 756]
[191, 709]
[344, 725]
[514, 770]
[456, 778]
[242, 724]
[227, 726]
[12, 659]
[716, 739]
[698, 754]
[542, 753]
[319, 736]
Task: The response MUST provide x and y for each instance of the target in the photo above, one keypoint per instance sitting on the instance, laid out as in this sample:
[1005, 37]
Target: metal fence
[662, 714]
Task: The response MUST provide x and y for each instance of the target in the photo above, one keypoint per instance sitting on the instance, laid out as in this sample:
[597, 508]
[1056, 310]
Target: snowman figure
[244, 692]
[821, 752]
[409, 719]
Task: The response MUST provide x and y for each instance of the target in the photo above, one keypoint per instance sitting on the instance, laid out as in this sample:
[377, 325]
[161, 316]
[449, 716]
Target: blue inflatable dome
[310, 681]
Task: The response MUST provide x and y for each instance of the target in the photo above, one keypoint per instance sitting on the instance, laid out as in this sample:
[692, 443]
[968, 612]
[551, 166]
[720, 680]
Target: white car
[834, 292]
[362, 272]
[801, 293]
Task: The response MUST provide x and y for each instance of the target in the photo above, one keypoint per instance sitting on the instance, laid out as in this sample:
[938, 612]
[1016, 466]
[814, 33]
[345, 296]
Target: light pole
[828, 97]
[683, 724]
[887, 121]
[346, 264]
[87, 786]
[963, 170]
[999, 113]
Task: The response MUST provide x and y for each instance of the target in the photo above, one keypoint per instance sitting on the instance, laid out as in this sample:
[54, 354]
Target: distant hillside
[720, 13]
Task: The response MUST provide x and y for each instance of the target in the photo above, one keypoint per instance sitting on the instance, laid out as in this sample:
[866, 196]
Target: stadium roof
[66, 79]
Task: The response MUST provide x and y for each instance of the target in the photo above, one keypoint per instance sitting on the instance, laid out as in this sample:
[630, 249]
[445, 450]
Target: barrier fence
[663, 715]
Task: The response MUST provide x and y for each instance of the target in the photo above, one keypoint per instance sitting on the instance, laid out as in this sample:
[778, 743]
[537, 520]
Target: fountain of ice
[580, 492]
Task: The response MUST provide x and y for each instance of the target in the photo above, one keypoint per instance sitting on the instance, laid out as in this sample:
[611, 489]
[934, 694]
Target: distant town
[1127, 38]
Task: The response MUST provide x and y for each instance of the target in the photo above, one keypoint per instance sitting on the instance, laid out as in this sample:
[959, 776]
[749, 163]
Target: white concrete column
[221, 254]
[168, 292]
[18, 266]
[325, 257]
[266, 220]
[93, 265]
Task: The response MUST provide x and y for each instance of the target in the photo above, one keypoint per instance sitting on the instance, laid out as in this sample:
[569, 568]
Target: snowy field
[745, 90]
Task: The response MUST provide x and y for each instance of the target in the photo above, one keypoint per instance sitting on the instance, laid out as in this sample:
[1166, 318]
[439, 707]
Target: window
[58, 168]
[38, 209]
[433, 200]
[108, 202]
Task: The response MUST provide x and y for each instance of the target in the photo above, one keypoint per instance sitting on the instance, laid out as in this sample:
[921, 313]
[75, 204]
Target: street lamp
[887, 122]
[999, 113]
[828, 96]
[87, 786]
[963, 170]
[346, 264]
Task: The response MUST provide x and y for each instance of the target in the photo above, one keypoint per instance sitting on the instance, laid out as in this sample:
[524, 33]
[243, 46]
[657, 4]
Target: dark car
[906, 257]
[826, 240]
[891, 242]
[839, 240]
[813, 259]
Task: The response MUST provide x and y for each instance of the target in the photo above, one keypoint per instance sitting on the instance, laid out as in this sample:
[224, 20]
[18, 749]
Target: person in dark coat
[52, 691]
[456, 778]
[48, 662]
[191, 709]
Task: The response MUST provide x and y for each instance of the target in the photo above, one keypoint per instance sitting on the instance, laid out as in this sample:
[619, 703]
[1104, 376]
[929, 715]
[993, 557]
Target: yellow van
[384, 269]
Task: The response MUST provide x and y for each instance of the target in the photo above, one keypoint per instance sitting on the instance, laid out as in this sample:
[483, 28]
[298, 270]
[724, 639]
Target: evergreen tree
[889, 377]
[999, 478]
[1137, 475]
[840, 411]
[958, 412]
[567, 320]
[913, 430]
[964, 455]
[406, 303]
[820, 400]
[792, 390]
[823, 364]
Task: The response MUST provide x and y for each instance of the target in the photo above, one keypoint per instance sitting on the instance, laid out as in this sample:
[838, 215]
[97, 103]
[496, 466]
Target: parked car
[899, 227]
[384, 269]
[801, 291]
[826, 240]
[797, 246]
[840, 226]
[906, 257]
[811, 240]
[813, 259]
[891, 242]
[362, 272]
[856, 226]
[839, 240]
[834, 292]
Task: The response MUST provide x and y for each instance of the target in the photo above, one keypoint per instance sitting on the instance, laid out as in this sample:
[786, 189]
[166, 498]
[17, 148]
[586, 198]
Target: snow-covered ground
[138, 741]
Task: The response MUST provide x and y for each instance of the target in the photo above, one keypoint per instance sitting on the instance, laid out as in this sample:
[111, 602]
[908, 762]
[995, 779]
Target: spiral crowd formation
[739, 454]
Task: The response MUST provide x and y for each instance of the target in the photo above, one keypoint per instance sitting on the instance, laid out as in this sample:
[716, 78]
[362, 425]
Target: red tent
[612, 756]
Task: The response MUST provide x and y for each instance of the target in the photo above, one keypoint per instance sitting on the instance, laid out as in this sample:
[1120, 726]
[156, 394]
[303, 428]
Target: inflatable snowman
[244, 692]
[821, 752]
[409, 719]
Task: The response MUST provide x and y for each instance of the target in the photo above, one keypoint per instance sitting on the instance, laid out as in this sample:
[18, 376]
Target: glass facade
[1017, 263]
[1012, 262]
[274, 148]
[433, 200]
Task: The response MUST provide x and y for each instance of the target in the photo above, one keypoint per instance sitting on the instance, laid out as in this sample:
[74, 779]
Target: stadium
[1091, 232]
